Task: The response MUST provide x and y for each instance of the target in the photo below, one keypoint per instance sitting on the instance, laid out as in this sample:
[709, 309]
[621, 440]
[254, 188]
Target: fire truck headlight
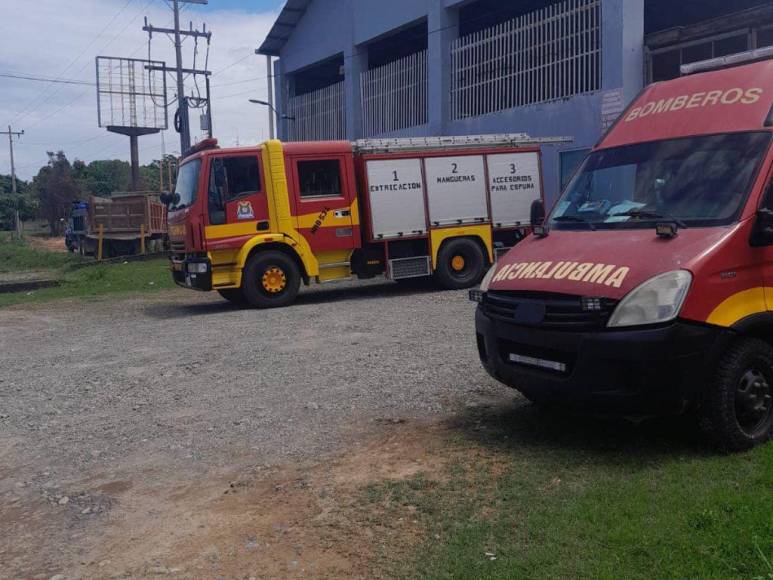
[197, 268]
[657, 300]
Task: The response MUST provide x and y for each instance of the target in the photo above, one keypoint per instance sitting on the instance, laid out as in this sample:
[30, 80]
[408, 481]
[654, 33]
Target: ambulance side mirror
[762, 232]
[537, 213]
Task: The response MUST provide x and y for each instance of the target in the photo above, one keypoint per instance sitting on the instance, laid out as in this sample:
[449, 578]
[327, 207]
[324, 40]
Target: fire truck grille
[549, 311]
[400, 268]
[177, 247]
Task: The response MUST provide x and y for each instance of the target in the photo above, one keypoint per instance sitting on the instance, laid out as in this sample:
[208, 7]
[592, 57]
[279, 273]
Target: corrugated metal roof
[283, 27]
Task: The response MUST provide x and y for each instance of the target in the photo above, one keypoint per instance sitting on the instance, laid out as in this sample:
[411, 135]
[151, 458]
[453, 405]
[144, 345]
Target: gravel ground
[186, 383]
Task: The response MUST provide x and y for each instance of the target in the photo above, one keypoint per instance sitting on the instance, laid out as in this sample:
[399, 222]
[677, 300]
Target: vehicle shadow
[307, 296]
[523, 429]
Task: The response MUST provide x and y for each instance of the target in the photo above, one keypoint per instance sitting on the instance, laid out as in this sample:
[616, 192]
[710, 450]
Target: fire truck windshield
[695, 181]
[187, 184]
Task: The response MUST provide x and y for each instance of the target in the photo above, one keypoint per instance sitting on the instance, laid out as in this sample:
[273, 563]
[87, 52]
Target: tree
[56, 188]
[102, 177]
[150, 174]
[22, 201]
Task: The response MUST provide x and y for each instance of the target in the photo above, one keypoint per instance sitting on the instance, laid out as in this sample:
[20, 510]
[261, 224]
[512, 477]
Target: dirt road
[176, 434]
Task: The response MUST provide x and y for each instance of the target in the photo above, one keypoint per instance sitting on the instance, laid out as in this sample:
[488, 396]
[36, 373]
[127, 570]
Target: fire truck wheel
[737, 412]
[233, 295]
[271, 279]
[460, 264]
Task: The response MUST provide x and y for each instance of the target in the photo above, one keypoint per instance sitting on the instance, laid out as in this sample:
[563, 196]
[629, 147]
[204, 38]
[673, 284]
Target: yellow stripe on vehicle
[307, 220]
[739, 306]
[230, 230]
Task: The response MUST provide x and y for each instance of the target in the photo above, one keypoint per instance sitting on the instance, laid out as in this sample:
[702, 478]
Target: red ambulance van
[649, 286]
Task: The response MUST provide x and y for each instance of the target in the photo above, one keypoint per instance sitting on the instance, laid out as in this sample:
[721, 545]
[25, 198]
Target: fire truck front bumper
[635, 372]
[193, 273]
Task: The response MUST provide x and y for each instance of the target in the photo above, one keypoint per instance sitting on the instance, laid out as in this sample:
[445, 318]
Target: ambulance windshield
[697, 181]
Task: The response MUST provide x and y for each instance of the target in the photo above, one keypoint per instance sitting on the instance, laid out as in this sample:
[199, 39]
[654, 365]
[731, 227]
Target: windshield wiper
[653, 215]
[575, 219]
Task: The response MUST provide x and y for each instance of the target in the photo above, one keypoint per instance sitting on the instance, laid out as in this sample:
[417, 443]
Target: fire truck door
[236, 200]
[323, 199]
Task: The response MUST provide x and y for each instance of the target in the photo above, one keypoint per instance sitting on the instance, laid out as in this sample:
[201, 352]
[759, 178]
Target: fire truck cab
[649, 287]
[253, 223]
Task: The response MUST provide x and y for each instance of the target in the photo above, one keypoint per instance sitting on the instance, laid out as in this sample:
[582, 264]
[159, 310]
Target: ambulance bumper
[640, 371]
[192, 273]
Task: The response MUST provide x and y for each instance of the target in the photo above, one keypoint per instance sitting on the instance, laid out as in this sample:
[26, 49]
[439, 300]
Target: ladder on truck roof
[454, 142]
[721, 62]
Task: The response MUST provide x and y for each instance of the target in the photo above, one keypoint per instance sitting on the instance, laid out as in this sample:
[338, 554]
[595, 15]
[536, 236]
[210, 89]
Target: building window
[665, 63]
[570, 161]
[545, 55]
[319, 178]
[765, 37]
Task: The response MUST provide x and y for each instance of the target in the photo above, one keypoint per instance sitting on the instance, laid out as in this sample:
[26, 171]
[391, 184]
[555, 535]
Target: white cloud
[43, 38]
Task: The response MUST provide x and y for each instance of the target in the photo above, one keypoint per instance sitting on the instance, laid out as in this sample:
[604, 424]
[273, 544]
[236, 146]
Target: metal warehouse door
[514, 183]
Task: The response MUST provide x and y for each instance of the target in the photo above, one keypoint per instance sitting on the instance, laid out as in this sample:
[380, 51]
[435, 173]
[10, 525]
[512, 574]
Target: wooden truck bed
[127, 214]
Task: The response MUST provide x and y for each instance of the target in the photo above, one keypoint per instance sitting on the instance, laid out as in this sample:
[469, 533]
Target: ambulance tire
[460, 264]
[233, 295]
[737, 410]
[266, 267]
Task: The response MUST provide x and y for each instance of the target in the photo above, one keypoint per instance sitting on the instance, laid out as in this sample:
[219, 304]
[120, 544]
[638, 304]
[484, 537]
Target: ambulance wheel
[271, 279]
[737, 412]
[460, 264]
[233, 295]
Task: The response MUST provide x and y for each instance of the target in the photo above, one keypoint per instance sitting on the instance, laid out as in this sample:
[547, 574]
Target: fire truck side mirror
[166, 198]
[762, 232]
[537, 213]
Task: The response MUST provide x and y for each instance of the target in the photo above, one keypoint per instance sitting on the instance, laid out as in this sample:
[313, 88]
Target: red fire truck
[253, 223]
[649, 288]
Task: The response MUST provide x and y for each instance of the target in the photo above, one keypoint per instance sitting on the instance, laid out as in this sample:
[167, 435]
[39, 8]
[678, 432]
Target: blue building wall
[333, 27]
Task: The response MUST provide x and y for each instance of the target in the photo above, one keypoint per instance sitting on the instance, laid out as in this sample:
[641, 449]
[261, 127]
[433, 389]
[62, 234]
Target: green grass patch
[98, 280]
[18, 256]
[530, 495]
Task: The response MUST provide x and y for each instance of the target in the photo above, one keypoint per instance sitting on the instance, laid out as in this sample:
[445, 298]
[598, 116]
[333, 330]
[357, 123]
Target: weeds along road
[162, 391]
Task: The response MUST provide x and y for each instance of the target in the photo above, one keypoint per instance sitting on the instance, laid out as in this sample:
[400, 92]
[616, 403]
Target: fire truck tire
[271, 280]
[233, 295]
[737, 411]
[460, 264]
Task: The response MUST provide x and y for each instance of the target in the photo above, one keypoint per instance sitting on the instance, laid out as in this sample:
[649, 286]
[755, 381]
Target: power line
[82, 52]
[232, 64]
[30, 77]
[23, 114]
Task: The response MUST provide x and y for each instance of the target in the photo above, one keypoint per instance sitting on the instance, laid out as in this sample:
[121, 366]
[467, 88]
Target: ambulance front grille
[401, 268]
[549, 311]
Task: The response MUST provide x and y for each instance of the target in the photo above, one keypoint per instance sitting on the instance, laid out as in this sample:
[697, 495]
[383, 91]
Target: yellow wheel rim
[457, 263]
[274, 280]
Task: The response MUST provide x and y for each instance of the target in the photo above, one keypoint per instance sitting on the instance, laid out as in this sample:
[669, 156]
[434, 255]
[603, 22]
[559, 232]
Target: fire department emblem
[244, 211]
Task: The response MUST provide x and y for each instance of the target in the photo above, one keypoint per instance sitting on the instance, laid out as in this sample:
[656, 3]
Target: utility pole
[185, 128]
[17, 222]
[182, 100]
[270, 79]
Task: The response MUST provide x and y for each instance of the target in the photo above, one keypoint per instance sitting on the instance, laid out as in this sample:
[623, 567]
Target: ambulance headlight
[659, 299]
[486, 282]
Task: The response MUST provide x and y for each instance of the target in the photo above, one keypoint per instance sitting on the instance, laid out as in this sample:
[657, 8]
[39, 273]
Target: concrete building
[348, 69]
